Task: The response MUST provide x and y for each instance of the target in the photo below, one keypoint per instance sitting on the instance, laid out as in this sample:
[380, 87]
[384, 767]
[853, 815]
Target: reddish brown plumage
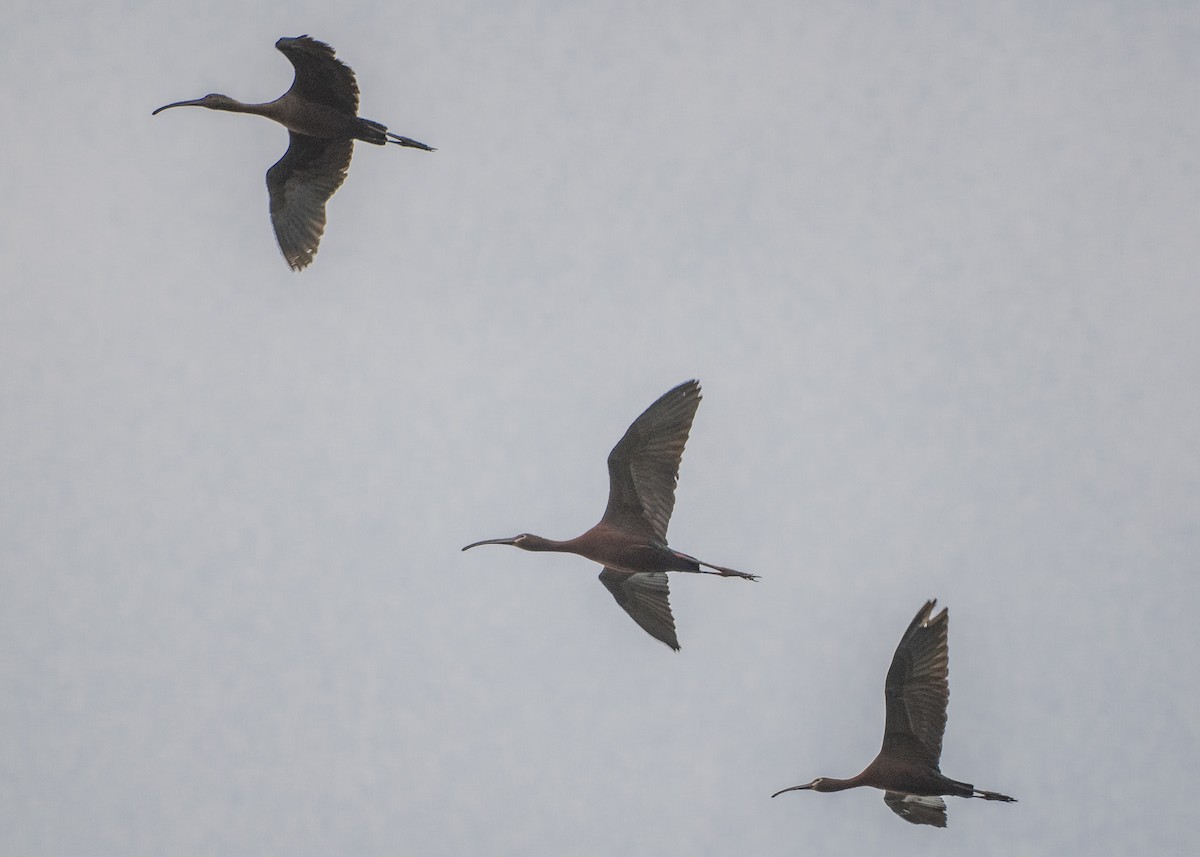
[916, 694]
[320, 112]
[630, 540]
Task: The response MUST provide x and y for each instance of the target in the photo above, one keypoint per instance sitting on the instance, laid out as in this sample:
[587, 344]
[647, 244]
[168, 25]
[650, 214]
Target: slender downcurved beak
[195, 102]
[792, 789]
[511, 541]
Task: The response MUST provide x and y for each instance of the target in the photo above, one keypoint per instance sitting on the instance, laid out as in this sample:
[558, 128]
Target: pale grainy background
[936, 267]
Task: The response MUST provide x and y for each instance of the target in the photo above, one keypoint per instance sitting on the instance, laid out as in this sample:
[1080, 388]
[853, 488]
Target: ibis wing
[917, 809]
[299, 186]
[644, 596]
[917, 690]
[320, 76]
[644, 465]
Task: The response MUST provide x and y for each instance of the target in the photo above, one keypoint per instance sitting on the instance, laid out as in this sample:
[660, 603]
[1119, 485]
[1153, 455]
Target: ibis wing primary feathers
[299, 185]
[644, 596]
[917, 689]
[643, 467]
[320, 76]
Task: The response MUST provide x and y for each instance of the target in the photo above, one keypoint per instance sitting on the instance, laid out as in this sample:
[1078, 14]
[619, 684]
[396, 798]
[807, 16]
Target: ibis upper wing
[917, 689]
[643, 467]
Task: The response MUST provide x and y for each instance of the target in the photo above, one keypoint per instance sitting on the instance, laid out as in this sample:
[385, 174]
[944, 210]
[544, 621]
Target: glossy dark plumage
[916, 693]
[630, 540]
[320, 112]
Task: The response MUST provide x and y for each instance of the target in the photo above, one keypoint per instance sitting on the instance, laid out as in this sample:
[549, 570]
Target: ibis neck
[270, 109]
[538, 543]
[833, 784]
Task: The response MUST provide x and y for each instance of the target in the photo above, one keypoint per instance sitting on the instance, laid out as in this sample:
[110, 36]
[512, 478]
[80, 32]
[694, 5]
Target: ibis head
[213, 101]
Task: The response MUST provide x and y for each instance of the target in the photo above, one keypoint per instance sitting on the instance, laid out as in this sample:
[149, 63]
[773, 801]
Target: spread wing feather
[917, 690]
[320, 76]
[643, 467]
[917, 809]
[299, 185]
[644, 596]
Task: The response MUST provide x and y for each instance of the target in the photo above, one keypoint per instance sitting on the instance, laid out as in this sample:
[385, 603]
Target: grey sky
[935, 267]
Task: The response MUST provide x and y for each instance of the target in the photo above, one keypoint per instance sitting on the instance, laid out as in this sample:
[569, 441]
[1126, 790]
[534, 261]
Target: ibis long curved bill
[793, 789]
[195, 102]
[508, 541]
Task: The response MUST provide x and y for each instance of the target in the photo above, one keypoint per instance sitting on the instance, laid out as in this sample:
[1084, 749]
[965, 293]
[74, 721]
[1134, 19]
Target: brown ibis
[320, 111]
[916, 691]
[631, 539]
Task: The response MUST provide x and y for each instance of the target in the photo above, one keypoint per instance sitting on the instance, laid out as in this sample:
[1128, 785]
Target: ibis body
[320, 111]
[917, 692]
[630, 540]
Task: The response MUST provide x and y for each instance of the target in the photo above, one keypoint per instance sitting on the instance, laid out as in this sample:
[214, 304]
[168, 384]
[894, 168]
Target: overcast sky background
[936, 266]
